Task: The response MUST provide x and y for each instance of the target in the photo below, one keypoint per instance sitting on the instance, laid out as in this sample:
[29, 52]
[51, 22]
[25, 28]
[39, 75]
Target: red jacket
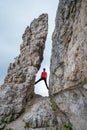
[44, 74]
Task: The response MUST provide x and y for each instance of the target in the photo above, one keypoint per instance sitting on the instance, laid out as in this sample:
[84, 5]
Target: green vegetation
[7, 120]
[27, 125]
[66, 127]
[54, 105]
[9, 129]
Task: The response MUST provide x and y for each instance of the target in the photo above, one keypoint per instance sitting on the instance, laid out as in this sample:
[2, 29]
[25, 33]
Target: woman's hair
[44, 69]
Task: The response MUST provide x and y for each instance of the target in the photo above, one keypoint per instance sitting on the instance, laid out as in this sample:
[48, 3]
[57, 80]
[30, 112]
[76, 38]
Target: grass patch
[66, 127]
[9, 129]
[27, 125]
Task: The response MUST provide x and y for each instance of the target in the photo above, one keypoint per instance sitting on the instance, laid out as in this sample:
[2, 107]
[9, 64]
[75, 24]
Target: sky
[15, 16]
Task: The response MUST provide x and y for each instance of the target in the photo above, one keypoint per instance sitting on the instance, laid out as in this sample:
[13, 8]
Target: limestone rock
[18, 85]
[41, 116]
[45, 115]
[68, 69]
[41, 113]
[66, 108]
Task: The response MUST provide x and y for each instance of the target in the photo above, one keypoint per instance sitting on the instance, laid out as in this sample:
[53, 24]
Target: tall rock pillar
[18, 85]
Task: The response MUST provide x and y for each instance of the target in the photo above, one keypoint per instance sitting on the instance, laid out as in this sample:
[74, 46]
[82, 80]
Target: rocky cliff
[68, 69]
[66, 107]
[18, 87]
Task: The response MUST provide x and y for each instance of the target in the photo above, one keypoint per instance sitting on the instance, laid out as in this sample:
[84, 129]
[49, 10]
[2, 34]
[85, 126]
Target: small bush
[27, 125]
[9, 129]
[67, 127]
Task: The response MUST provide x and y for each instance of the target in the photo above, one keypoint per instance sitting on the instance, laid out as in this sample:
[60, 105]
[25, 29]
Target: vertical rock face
[68, 69]
[19, 82]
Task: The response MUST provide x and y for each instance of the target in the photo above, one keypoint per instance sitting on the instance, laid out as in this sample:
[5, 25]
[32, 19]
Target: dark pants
[44, 81]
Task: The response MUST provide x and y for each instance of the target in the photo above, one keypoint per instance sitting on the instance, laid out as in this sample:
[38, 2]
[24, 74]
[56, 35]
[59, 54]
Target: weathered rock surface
[68, 69]
[66, 108]
[20, 124]
[42, 116]
[41, 113]
[18, 86]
